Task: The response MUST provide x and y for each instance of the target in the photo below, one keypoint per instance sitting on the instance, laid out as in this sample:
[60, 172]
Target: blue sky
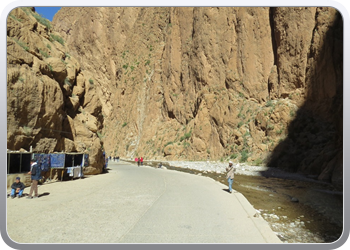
[47, 12]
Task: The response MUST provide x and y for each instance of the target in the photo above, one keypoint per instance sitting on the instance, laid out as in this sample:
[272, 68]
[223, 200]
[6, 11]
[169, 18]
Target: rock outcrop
[251, 84]
[49, 104]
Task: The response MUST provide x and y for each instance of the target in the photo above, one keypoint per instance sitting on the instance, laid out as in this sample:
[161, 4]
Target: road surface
[132, 204]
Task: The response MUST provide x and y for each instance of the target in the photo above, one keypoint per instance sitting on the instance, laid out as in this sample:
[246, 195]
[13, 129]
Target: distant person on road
[230, 175]
[35, 172]
[138, 161]
[141, 160]
[117, 158]
[17, 187]
[106, 164]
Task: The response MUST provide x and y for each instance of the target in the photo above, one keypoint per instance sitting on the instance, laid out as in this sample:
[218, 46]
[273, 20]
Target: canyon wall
[251, 84]
[51, 105]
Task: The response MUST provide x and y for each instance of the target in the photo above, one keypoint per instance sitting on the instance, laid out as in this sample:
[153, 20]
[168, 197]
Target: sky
[47, 12]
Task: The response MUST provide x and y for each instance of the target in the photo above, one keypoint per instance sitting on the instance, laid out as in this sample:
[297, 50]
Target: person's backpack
[36, 170]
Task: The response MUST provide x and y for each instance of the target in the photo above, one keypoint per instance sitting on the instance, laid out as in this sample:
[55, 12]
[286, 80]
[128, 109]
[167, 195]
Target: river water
[298, 210]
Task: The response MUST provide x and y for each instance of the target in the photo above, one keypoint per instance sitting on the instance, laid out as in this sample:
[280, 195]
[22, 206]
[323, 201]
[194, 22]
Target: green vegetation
[234, 156]
[280, 131]
[50, 67]
[268, 103]
[246, 134]
[147, 62]
[91, 81]
[100, 135]
[65, 63]
[240, 124]
[48, 46]
[168, 143]
[244, 156]
[15, 18]
[124, 124]
[66, 81]
[270, 127]
[42, 20]
[44, 54]
[186, 136]
[22, 44]
[292, 113]
[258, 162]
[39, 18]
[56, 38]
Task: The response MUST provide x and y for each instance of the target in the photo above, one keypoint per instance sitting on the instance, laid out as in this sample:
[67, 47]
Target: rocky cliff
[251, 84]
[51, 104]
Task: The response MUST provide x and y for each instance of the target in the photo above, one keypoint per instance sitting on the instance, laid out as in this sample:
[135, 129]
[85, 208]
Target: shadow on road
[44, 194]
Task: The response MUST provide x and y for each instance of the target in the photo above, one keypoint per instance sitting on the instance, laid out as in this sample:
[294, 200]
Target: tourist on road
[17, 187]
[230, 175]
[141, 160]
[35, 172]
[138, 161]
[106, 164]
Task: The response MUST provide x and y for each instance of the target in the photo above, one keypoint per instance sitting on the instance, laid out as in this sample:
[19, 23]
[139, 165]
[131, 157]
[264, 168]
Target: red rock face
[250, 84]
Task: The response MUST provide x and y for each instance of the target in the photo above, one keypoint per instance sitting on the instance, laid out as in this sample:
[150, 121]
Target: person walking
[230, 175]
[141, 160]
[138, 161]
[35, 172]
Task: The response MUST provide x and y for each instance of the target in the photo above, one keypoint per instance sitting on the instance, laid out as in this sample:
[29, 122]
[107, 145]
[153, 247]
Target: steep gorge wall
[51, 105]
[248, 83]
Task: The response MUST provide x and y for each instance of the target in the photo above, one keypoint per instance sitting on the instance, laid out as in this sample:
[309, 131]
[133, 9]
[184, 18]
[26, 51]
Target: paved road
[133, 204]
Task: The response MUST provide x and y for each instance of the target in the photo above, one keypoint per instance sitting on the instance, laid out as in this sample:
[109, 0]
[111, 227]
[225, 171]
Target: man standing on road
[35, 172]
[230, 175]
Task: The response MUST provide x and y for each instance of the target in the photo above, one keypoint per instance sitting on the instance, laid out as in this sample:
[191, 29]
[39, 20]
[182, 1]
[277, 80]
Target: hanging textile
[57, 160]
[76, 172]
[86, 160]
[43, 161]
[70, 171]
